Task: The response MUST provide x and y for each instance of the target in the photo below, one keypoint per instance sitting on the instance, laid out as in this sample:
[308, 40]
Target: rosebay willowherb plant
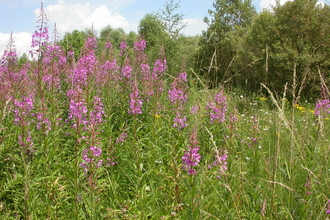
[178, 98]
[218, 108]
[113, 136]
[322, 108]
[191, 157]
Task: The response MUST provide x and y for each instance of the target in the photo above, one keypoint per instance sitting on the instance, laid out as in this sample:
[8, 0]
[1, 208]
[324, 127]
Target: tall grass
[115, 137]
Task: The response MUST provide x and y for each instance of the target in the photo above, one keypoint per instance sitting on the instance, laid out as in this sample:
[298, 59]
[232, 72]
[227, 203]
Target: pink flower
[135, 101]
[123, 48]
[88, 156]
[218, 108]
[121, 138]
[180, 122]
[127, 71]
[327, 211]
[322, 107]
[140, 45]
[191, 158]
[220, 162]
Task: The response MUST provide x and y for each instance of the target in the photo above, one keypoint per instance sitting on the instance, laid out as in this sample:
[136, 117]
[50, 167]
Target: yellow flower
[157, 116]
[311, 111]
[263, 98]
[301, 108]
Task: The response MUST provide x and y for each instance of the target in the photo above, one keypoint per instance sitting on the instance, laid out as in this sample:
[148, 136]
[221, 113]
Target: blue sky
[20, 16]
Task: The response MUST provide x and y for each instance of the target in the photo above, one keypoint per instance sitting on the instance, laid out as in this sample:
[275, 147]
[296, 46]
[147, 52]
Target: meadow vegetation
[109, 132]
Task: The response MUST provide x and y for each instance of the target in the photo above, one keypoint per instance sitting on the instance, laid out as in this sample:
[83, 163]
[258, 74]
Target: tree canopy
[288, 44]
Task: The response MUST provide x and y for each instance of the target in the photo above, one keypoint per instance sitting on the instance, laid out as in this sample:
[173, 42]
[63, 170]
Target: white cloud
[266, 4]
[22, 42]
[190, 21]
[193, 26]
[10, 3]
[322, 4]
[69, 17]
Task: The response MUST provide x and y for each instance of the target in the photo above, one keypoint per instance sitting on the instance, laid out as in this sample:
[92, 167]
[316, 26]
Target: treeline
[286, 46]
[161, 30]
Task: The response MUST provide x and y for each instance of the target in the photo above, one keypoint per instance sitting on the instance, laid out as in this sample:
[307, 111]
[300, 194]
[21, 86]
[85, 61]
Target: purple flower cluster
[40, 37]
[42, 120]
[89, 155]
[126, 71]
[23, 110]
[159, 67]
[152, 81]
[9, 57]
[140, 45]
[180, 122]
[327, 211]
[322, 107]
[108, 65]
[218, 108]
[108, 45]
[139, 48]
[97, 113]
[178, 97]
[121, 138]
[191, 157]
[108, 72]
[135, 104]
[183, 77]
[123, 48]
[194, 109]
[53, 53]
[145, 69]
[85, 66]
[78, 113]
[55, 59]
[175, 95]
[220, 162]
[27, 142]
[91, 45]
[22, 114]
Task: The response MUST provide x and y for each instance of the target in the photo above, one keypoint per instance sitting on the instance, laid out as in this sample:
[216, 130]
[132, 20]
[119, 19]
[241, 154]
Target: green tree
[228, 21]
[22, 60]
[253, 51]
[172, 22]
[114, 36]
[291, 44]
[131, 38]
[152, 30]
[74, 41]
[162, 32]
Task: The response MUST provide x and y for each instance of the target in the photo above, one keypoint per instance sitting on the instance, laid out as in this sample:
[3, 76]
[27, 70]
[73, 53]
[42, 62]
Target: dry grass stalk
[280, 110]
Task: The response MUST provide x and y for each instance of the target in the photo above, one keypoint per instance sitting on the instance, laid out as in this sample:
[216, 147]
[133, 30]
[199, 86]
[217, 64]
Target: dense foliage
[288, 44]
[98, 128]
